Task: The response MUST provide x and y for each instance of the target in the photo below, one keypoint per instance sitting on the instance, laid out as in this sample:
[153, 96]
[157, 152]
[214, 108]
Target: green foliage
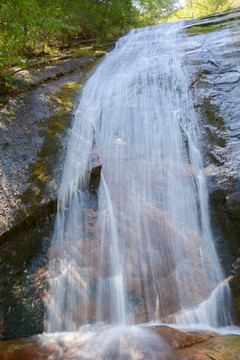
[32, 27]
[197, 8]
[155, 11]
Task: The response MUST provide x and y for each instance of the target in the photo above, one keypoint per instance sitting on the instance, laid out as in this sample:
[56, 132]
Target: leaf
[7, 77]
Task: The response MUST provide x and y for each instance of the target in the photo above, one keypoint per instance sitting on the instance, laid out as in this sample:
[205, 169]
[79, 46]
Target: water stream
[141, 250]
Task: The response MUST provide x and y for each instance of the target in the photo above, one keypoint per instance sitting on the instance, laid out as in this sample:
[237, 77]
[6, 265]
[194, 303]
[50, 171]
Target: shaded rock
[22, 349]
[235, 286]
[233, 205]
[23, 283]
[25, 279]
[96, 165]
[35, 127]
[213, 60]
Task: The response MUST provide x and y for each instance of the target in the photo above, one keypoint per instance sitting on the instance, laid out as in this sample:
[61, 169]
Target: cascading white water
[144, 251]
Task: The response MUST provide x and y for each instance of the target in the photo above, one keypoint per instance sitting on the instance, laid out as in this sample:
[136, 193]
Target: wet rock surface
[23, 267]
[34, 133]
[33, 147]
[53, 70]
[213, 59]
[226, 347]
[34, 128]
[171, 344]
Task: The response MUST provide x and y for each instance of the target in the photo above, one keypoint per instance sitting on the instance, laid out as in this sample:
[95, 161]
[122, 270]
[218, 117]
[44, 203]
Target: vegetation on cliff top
[197, 8]
[35, 27]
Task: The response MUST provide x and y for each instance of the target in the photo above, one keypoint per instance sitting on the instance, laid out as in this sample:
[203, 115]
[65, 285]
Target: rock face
[213, 59]
[34, 128]
[159, 342]
[34, 131]
[33, 148]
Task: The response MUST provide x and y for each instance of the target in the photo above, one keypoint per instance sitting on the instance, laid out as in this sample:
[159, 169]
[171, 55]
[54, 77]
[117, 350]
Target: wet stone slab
[159, 342]
[34, 128]
[34, 147]
[213, 60]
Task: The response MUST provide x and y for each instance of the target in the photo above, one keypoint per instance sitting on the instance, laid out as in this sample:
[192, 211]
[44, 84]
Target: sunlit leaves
[153, 11]
[31, 27]
[198, 8]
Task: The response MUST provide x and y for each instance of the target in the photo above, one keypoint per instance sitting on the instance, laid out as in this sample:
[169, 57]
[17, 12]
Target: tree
[31, 27]
[198, 8]
[155, 11]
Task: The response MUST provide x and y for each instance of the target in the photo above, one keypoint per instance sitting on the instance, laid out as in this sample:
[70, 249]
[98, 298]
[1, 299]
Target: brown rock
[225, 347]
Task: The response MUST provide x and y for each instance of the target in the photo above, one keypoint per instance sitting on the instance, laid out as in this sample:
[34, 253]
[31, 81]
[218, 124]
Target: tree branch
[7, 21]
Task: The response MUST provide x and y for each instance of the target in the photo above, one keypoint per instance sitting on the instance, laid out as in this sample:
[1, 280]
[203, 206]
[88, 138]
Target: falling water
[140, 247]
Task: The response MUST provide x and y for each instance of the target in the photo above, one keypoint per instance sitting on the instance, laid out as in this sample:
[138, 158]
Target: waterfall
[140, 247]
